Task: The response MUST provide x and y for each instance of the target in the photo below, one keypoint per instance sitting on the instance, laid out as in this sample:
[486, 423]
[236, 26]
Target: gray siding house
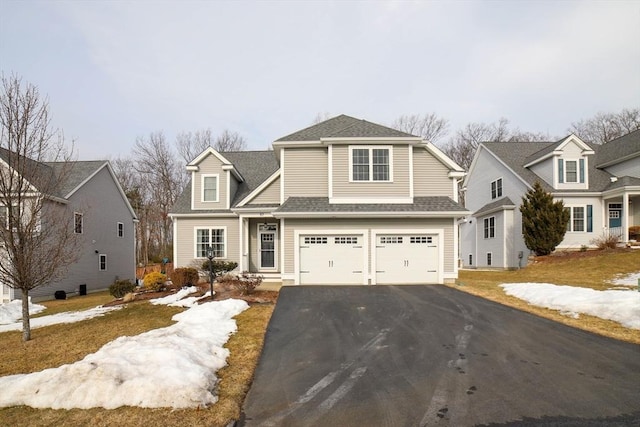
[345, 201]
[103, 218]
[599, 185]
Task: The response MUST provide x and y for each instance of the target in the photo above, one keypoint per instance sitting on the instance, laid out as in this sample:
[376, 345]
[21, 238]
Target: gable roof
[494, 206]
[344, 126]
[76, 173]
[619, 149]
[516, 154]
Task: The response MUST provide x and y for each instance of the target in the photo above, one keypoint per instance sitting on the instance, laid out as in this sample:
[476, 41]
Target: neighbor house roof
[499, 204]
[517, 154]
[344, 126]
[311, 205]
[619, 149]
[75, 173]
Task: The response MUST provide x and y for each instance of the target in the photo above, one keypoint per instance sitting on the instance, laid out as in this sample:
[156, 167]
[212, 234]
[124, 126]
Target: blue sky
[117, 70]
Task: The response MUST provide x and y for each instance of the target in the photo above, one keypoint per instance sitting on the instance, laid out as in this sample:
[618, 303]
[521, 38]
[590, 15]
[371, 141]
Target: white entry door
[267, 250]
[407, 258]
[331, 259]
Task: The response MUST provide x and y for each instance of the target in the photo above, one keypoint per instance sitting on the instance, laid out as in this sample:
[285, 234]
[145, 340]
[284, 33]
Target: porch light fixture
[211, 277]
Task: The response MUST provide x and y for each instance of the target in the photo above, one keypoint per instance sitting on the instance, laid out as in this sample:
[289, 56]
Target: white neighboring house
[100, 214]
[599, 184]
[345, 201]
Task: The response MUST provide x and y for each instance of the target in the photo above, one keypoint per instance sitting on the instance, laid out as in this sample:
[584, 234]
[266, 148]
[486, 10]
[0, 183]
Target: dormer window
[210, 188]
[370, 164]
[571, 171]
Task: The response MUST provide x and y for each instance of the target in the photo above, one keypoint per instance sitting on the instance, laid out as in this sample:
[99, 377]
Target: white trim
[106, 265]
[195, 239]
[456, 214]
[282, 248]
[456, 195]
[274, 176]
[443, 158]
[498, 196]
[175, 243]
[193, 191]
[205, 153]
[340, 232]
[241, 246]
[410, 148]
[202, 178]
[456, 249]
[330, 171]
[402, 140]
[584, 218]
[276, 246]
[437, 231]
[118, 224]
[228, 189]
[371, 148]
[282, 177]
[375, 200]
[204, 215]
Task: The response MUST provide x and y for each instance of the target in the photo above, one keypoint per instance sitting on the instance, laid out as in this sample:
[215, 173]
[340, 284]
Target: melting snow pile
[66, 317]
[620, 306]
[628, 280]
[11, 312]
[178, 299]
[169, 367]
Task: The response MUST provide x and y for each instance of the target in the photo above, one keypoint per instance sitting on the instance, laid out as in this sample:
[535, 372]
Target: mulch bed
[220, 293]
[568, 255]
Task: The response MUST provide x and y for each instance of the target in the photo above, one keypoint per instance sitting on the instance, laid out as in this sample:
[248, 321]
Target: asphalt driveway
[431, 355]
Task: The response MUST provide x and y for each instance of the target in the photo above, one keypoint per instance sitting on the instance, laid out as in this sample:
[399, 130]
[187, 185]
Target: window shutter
[581, 171]
[560, 171]
[589, 218]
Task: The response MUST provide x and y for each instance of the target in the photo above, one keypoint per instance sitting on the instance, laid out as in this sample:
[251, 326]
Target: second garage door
[406, 258]
[332, 259]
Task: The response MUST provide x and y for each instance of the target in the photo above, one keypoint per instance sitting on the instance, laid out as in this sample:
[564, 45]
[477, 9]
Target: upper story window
[209, 188]
[371, 164]
[78, 221]
[571, 171]
[496, 188]
[490, 227]
[120, 229]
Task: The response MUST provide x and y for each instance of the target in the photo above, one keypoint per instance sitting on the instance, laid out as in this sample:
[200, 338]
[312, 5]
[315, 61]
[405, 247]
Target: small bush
[155, 281]
[605, 241]
[634, 232]
[219, 267]
[120, 288]
[246, 282]
[185, 276]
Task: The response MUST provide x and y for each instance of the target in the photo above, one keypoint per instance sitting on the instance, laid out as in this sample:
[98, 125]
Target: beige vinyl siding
[291, 225]
[186, 242]
[210, 166]
[270, 195]
[233, 187]
[430, 175]
[399, 187]
[305, 172]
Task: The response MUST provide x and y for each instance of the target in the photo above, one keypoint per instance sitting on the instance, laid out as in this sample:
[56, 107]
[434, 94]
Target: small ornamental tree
[544, 222]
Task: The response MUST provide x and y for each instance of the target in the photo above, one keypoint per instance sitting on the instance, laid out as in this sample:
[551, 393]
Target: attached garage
[407, 258]
[332, 259]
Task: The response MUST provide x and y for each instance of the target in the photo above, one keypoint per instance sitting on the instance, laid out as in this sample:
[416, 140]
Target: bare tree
[603, 127]
[230, 141]
[429, 126]
[164, 182]
[36, 231]
[191, 144]
[321, 117]
[462, 147]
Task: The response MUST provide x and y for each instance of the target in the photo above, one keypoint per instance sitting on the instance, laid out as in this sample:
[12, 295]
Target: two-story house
[99, 214]
[599, 185]
[345, 201]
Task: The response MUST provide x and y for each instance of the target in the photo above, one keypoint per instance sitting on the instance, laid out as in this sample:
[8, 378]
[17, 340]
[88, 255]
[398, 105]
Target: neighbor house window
[120, 229]
[571, 171]
[77, 223]
[580, 219]
[489, 258]
[371, 164]
[214, 237]
[496, 188]
[470, 259]
[210, 188]
[490, 227]
[102, 262]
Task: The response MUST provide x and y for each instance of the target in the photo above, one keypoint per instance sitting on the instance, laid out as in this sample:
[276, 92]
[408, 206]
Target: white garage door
[331, 259]
[407, 258]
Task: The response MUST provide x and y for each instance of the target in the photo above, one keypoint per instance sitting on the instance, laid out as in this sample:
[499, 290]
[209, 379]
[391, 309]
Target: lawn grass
[75, 303]
[594, 270]
[235, 379]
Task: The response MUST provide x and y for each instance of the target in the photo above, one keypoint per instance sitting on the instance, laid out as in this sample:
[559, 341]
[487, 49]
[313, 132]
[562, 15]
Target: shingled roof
[420, 205]
[626, 146]
[344, 126]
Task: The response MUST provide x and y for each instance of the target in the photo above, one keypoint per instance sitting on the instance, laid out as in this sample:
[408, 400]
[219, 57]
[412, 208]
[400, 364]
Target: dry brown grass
[593, 270]
[75, 303]
[235, 379]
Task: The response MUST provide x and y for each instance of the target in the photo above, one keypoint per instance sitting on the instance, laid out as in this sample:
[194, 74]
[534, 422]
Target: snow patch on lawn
[178, 299]
[620, 306]
[66, 317]
[11, 312]
[628, 280]
[168, 367]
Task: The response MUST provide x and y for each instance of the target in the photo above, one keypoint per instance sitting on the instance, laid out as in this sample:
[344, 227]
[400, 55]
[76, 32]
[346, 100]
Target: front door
[615, 215]
[267, 245]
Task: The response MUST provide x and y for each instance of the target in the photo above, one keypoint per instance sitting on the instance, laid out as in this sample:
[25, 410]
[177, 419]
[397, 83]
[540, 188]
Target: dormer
[214, 181]
[564, 165]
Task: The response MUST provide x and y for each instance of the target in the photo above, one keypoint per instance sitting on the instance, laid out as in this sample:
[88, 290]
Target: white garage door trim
[400, 231]
[332, 232]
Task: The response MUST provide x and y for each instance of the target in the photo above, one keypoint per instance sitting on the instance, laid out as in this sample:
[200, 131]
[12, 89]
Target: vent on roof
[614, 178]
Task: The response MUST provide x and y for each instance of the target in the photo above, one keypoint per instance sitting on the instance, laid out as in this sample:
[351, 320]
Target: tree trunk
[26, 325]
